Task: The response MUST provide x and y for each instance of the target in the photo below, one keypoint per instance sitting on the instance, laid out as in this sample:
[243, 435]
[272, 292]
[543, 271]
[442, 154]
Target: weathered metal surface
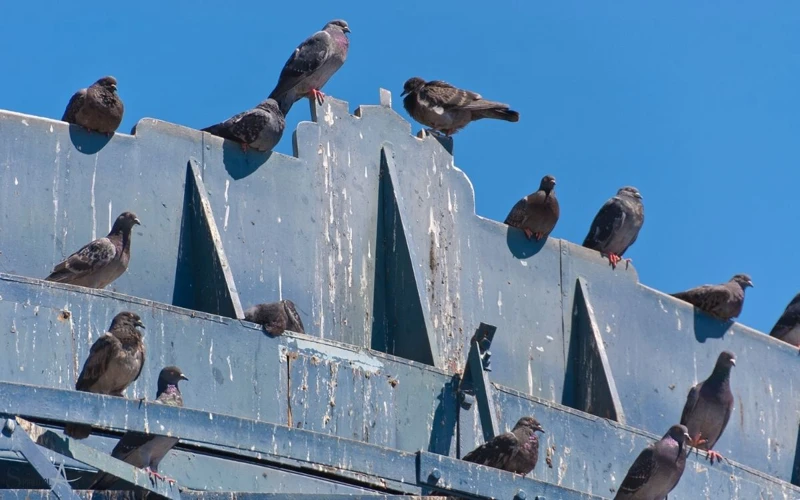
[475, 386]
[658, 348]
[204, 495]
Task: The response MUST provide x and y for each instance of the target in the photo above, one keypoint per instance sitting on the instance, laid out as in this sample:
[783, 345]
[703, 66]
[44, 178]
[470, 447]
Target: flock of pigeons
[116, 359]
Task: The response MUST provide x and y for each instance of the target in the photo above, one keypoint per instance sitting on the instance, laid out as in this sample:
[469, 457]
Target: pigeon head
[743, 280]
[127, 318]
[629, 191]
[125, 221]
[337, 24]
[548, 184]
[412, 85]
[795, 300]
[530, 423]
[170, 375]
[108, 82]
[679, 433]
[295, 324]
[726, 361]
[270, 105]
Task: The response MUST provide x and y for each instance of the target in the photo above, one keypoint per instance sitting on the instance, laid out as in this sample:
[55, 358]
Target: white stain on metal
[540, 349]
[678, 315]
[92, 202]
[110, 212]
[16, 182]
[524, 263]
[329, 115]
[230, 368]
[500, 302]
[227, 206]
[661, 305]
[25, 122]
[480, 288]
[433, 227]
[530, 378]
[51, 129]
[279, 220]
[211, 352]
[280, 284]
[55, 197]
[449, 202]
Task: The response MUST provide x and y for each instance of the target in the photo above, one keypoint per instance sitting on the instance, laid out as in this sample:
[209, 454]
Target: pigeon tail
[77, 431]
[220, 131]
[501, 114]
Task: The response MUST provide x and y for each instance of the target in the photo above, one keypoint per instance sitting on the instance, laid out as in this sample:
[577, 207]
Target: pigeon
[311, 65]
[145, 451]
[657, 469]
[276, 317]
[447, 109]
[723, 302]
[97, 108]
[537, 213]
[102, 261]
[115, 361]
[259, 128]
[788, 326]
[709, 406]
[616, 226]
[516, 451]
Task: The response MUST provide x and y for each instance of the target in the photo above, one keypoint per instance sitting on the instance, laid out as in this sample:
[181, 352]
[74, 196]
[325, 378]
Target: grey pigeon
[102, 261]
[723, 302]
[115, 361]
[448, 109]
[145, 451]
[657, 469]
[537, 213]
[96, 108]
[276, 317]
[311, 65]
[516, 451]
[616, 226]
[259, 128]
[788, 326]
[709, 406]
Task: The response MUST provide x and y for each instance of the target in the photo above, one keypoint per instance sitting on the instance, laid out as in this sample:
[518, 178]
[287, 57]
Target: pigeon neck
[720, 376]
[166, 388]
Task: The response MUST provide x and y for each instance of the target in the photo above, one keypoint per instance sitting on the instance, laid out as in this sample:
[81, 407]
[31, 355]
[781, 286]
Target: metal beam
[475, 384]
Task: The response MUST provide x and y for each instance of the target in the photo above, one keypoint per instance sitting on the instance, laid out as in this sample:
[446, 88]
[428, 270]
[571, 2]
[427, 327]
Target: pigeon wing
[75, 103]
[609, 219]
[97, 363]
[306, 59]
[517, 214]
[442, 95]
[496, 453]
[640, 472]
[92, 256]
[691, 402]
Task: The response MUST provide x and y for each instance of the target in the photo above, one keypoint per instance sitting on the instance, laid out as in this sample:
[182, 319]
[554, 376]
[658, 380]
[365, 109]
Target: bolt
[521, 495]
[10, 425]
[539, 498]
[436, 475]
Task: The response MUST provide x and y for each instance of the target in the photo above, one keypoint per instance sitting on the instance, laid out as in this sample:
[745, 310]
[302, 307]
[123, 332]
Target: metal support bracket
[475, 384]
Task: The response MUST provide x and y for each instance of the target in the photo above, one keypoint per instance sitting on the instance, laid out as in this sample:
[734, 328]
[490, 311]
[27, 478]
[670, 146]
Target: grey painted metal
[445, 474]
[22, 443]
[20, 494]
[475, 384]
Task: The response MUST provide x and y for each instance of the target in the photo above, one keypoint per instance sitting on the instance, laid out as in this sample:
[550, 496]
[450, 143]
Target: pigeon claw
[614, 259]
[538, 236]
[154, 474]
[318, 95]
[529, 233]
[713, 455]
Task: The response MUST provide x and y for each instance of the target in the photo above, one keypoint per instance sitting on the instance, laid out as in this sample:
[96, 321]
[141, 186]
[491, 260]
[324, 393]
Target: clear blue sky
[695, 103]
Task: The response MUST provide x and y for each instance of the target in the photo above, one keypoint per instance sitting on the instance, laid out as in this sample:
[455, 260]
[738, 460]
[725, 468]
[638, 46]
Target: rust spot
[741, 411]
[64, 315]
[671, 387]
[432, 253]
[549, 458]
[291, 355]
[314, 360]
[393, 381]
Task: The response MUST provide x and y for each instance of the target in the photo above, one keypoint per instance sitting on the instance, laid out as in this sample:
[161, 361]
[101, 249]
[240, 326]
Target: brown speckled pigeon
[516, 451]
[657, 469]
[102, 261]
[97, 108]
[447, 109]
[616, 226]
[709, 406]
[537, 213]
[723, 302]
[276, 317]
[259, 128]
[145, 451]
[115, 361]
[788, 326]
[311, 65]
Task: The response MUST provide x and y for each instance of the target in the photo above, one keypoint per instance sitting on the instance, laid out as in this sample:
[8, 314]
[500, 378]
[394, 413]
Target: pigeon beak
[637, 195]
[346, 29]
[405, 92]
[539, 428]
[733, 362]
[140, 324]
[183, 377]
[750, 284]
[137, 221]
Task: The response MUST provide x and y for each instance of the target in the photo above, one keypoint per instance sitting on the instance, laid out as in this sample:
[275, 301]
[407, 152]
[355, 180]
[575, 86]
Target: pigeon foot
[155, 474]
[614, 259]
[713, 455]
[528, 233]
[538, 236]
[318, 95]
[697, 441]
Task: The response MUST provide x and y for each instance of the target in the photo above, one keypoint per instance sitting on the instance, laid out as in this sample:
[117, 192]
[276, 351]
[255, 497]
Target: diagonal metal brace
[475, 384]
[55, 478]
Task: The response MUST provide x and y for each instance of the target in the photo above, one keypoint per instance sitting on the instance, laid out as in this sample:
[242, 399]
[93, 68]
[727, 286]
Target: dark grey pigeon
[657, 469]
[616, 226]
[276, 317]
[516, 451]
[115, 362]
[311, 65]
[537, 213]
[145, 451]
[447, 109]
[102, 261]
[788, 326]
[96, 108]
[723, 302]
[709, 406]
[259, 128]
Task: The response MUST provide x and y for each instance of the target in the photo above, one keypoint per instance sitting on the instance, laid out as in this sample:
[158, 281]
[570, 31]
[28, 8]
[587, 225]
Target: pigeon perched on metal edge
[516, 451]
[723, 302]
[448, 109]
[657, 469]
[115, 361]
[616, 226]
[102, 261]
[276, 317]
[311, 65]
[259, 128]
[709, 406]
[788, 326]
[145, 451]
[537, 213]
[97, 108]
